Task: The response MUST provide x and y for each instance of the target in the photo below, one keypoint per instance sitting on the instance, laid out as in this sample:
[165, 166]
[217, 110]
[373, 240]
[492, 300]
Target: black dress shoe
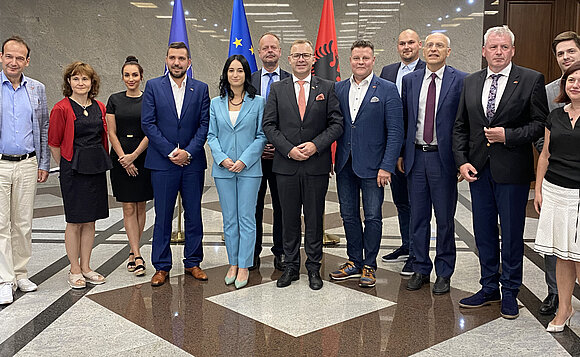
[441, 286]
[279, 262]
[287, 277]
[256, 264]
[549, 305]
[417, 281]
[314, 280]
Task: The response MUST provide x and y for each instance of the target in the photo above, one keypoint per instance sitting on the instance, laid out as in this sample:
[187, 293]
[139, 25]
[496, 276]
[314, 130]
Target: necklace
[85, 113]
[236, 104]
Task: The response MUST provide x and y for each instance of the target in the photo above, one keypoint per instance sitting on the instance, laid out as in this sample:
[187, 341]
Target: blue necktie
[490, 112]
[270, 81]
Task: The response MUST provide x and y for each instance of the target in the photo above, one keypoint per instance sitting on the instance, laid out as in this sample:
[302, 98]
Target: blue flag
[178, 32]
[240, 39]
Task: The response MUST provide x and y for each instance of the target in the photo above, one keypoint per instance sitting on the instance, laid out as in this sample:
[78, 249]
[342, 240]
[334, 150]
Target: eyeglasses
[437, 45]
[296, 56]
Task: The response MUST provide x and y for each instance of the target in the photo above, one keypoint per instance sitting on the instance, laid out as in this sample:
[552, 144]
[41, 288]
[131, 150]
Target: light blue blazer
[37, 97]
[243, 141]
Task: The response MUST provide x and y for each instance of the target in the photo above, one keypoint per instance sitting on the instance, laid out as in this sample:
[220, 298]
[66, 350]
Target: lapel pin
[191, 89]
[515, 82]
[374, 86]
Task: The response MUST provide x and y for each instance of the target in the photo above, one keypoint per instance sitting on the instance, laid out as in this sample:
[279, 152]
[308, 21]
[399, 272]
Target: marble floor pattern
[126, 316]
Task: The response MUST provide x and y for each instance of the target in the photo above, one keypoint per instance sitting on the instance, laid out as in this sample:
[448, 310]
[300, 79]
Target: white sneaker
[6, 296]
[26, 285]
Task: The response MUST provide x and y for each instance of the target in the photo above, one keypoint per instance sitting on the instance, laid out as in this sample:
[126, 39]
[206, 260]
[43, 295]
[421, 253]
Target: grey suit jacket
[552, 91]
[37, 97]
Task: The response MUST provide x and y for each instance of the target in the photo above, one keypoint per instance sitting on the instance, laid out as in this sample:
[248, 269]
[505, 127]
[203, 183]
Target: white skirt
[558, 227]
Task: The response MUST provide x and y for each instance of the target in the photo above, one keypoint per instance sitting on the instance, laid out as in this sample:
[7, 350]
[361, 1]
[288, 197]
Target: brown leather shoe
[197, 273]
[159, 277]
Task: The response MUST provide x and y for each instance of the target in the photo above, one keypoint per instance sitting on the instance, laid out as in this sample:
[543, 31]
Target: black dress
[127, 111]
[83, 181]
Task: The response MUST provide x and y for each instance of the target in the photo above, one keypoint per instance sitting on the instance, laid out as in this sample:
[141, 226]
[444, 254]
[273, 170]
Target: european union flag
[178, 32]
[240, 39]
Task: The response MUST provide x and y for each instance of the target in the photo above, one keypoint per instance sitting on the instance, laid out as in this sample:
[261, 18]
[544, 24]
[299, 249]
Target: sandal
[140, 269]
[94, 278]
[131, 265]
[76, 281]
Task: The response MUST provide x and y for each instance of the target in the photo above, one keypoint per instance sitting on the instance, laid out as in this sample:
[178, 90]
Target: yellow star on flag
[252, 50]
[238, 42]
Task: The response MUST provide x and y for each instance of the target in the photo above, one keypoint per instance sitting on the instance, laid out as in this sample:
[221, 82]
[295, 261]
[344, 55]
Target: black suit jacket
[257, 79]
[522, 111]
[283, 127]
[390, 72]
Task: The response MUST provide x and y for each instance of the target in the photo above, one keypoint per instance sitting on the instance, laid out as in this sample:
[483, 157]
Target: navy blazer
[451, 86]
[257, 79]
[390, 71]
[375, 137]
[166, 131]
[243, 141]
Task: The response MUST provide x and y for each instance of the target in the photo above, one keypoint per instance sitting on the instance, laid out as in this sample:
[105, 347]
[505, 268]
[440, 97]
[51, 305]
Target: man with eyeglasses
[302, 119]
[430, 100]
[269, 52]
[366, 156]
[24, 161]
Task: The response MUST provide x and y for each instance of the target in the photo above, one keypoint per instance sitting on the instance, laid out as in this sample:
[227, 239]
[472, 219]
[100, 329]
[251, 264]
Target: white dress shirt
[404, 69]
[178, 94]
[501, 84]
[423, 102]
[306, 86]
[357, 93]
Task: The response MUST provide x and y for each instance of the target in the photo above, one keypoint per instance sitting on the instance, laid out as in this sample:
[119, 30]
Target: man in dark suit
[269, 52]
[175, 118]
[502, 111]
[366, 155]
[302, 119]
[430, 99]
[408, 47]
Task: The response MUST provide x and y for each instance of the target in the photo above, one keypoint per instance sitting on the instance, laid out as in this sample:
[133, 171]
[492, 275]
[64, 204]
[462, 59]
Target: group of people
[421, 126]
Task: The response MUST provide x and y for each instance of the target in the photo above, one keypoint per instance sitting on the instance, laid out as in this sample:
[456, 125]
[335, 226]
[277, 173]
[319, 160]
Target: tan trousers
[17, 191]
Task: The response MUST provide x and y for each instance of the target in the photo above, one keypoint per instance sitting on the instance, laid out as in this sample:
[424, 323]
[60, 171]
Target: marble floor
[126, 316]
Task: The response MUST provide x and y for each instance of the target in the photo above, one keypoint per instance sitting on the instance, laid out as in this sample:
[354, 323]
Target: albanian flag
[325, 51]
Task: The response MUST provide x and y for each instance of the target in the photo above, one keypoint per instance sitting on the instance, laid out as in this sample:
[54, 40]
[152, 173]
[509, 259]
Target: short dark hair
[20, 41]
[80, 68]
[565, 36]
[362, 44]
[563, 96]
[132, 60]
[225, 88]
[178, 45]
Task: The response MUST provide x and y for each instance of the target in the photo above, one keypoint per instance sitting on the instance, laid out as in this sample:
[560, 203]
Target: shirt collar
[438, 72]
[5, 79]
[365, 81]
[504, 72]
[411, 65]
[277, 71]
[174, 85]
[307, 79]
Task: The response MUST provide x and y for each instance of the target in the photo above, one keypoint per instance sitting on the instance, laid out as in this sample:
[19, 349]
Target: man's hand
[297, 154]
[307, 148]
[383, 178]
[495, 135]
[468, 172]
[401, 165]
[238, 166]
[180, 158]
[227, 163]
[268, 152]
[42, 176]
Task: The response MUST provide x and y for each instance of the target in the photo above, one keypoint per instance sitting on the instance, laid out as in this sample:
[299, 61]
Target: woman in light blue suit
[236, 141]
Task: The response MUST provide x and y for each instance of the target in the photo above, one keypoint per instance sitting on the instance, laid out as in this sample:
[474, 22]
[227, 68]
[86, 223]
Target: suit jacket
[166, 130]
[37, 96]
[257, 79]
[283, 127]
[375, 137]
[390, 71]
[243, 141]
[522, 111]
[446, 111]
[552, 91]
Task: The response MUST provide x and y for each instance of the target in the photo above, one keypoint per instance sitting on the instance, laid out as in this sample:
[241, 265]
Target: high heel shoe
[240, 284]
[559, 328]
[230, 281]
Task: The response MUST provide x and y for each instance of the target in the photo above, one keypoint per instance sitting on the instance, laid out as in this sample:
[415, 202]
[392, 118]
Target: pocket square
[374, 99]
[320, 96]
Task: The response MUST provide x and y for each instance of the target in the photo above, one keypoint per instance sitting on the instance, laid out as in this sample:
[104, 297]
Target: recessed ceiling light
[490, 12]
[347, 30]
[163, 16]
[268, 4]
[206, 31]
[463, 18]
[380, 2]
[458, 9]
[277, 20]
[347, 23]
[146, 5]
[351, 13]
[379, 10]
[450, 25]
[476, 14]
[279, 13]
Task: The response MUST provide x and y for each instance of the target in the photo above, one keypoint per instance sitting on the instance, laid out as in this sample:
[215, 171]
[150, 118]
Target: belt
[426, 148]
[17, 157]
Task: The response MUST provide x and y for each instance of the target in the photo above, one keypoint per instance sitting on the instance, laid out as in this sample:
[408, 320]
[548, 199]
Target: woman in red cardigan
[77, 136]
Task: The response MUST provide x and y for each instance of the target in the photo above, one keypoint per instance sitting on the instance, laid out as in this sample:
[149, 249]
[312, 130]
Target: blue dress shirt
[265, 78]
[403, 70]
[16, 138]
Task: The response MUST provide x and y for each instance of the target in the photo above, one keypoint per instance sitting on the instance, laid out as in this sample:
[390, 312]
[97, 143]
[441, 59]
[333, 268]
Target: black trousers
[302, 192]
[268, 178]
